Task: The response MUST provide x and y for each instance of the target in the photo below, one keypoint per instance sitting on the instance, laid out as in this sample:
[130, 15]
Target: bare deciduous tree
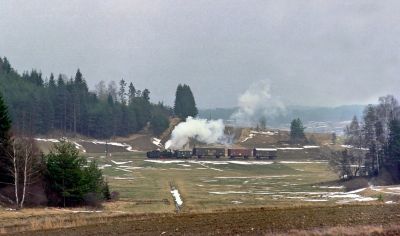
[25, 167]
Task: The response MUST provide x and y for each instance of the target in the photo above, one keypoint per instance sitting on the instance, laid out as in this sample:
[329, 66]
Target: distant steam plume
[256, 102]
[206, 131]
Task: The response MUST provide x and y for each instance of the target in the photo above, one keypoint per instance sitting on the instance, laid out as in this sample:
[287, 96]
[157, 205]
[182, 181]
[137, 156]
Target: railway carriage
[270, 153]
[209, 152]
[240, 152]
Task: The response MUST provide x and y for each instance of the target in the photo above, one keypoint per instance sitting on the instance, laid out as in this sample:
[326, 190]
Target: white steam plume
[256, 102]
[206, 131]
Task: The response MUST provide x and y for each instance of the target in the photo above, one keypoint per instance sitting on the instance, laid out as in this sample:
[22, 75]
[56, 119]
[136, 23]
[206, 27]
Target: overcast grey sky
[312, 52]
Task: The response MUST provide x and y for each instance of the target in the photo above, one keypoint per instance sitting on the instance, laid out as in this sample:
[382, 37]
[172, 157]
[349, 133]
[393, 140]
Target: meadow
[209, 184]
[221, 196]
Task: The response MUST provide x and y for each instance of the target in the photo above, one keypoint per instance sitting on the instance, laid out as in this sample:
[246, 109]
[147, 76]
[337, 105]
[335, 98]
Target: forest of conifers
[39, 105]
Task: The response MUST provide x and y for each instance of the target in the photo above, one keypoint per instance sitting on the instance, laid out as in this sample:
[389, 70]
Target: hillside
[316, 119]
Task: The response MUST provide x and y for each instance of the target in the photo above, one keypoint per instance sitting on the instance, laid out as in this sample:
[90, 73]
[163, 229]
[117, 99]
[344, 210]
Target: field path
[244, 222]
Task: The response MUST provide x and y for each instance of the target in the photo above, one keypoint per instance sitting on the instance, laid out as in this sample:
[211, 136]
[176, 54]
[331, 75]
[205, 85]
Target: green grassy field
[219, 197]
[206, 185]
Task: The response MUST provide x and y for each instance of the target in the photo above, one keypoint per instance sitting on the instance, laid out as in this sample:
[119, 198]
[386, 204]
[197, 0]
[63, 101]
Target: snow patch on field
[332, 187]
[352, 147]
[209, 162]
[157, 142]
[303, 162]
[121, 162]
[315, 200]
[124, 145]
[177, 197]
[357, 190]
[86, 211]
[165, 161]
[247, 138]
[228, 192]
[47, 140]
[79, 147]
[184, 165]
[263, 132]
[251, 162]
[255, 177]
[204, 163]
[291, 148]
[124, 178]
[386, 189]
[310, 147]
[117, 168]
[236, 202]
[104, 166]
[134, 168]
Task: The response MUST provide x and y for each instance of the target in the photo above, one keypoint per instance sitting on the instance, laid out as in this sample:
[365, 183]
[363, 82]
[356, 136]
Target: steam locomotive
[258, 153]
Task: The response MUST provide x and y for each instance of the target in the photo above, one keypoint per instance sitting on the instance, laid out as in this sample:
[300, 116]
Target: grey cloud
[312, 52]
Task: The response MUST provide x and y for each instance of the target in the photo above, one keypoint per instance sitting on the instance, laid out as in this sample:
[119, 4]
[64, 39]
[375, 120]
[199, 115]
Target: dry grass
[311, 220]
[344, 231]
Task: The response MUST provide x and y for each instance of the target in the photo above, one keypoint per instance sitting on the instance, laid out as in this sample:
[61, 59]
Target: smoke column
[256, 102]
[200, 129]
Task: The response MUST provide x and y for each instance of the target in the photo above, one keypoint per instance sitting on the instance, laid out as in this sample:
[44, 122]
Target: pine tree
[122, 93]
[369, 134]
[263, 122]
[394, 143]
[70, 177]
[353, 133]
[5, 122]
[6, 66]
[52, 82]
[185, 104]
[146, 95]
[132, 92]
[297, 131]
[5, 126]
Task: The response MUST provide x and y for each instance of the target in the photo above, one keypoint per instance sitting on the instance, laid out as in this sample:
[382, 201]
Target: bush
[92, 200]
[114, 195]
[356, 183]
[106, 192]
[71, 180]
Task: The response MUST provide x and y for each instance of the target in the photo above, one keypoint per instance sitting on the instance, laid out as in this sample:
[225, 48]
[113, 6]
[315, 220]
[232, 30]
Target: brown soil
[378, 219]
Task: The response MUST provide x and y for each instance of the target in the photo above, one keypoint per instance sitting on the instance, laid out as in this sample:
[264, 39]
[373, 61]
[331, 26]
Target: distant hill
[317, 119]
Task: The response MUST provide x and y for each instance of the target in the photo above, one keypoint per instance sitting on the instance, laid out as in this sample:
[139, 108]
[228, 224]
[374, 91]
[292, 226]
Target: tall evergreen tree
[146, 95]
[353, 133]
[132, 92]
[5, 126]
[5, 122]
[369, 133]
[393, 157]
[297, 131]
[122, 92]
[52, 82]
[185, 104]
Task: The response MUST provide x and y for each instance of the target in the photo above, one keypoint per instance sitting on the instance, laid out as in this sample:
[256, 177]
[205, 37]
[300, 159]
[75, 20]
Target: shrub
[92, 200]
[114, 195]
[72, 181]
[356, 183]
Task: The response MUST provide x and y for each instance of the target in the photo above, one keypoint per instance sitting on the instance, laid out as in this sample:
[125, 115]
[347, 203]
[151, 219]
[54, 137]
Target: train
[245, 153]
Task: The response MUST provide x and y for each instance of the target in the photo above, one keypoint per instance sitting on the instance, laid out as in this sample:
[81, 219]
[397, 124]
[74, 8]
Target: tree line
[60, 178]
[65, 105]
[373, 142]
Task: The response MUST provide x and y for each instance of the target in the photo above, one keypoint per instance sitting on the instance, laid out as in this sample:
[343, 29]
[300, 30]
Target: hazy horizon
[313, 53]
